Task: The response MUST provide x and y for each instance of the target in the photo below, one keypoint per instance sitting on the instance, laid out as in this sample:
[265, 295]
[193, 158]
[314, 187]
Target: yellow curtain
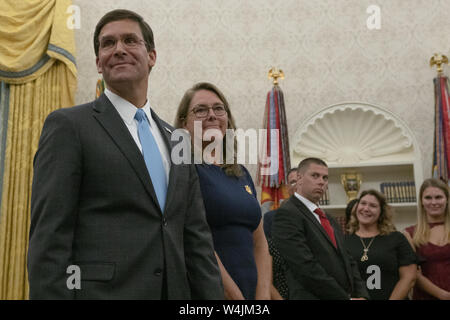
[41, 78]
[34, 34]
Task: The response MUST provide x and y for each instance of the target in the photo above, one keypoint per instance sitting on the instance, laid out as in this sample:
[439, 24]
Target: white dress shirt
[310, 205]
[127, 112]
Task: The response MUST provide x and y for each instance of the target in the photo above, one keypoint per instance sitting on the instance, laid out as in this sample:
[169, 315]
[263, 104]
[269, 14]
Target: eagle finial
[438, 60]
[274, 74]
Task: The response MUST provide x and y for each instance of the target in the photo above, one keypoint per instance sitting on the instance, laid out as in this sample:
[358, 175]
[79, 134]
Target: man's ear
[299, 177]
[152, 58]
[99, 68]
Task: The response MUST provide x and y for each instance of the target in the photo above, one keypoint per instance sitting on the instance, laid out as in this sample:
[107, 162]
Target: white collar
[126, 109]
[310, 205]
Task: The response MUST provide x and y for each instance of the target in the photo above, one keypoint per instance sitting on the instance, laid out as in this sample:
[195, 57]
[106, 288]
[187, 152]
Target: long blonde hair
[384, 223]
[422, 231]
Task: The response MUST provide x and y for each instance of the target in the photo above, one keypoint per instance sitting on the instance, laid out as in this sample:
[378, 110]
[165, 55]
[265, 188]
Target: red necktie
[326, 225]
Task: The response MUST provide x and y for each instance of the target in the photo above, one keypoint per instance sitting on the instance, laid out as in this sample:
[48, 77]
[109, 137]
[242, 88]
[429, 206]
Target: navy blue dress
[233, 214]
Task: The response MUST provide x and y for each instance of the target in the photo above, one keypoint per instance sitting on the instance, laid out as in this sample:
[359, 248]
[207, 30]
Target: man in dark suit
[98, 208]
[312, 244]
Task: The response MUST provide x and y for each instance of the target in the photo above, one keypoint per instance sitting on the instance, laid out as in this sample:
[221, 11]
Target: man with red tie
[311, 242]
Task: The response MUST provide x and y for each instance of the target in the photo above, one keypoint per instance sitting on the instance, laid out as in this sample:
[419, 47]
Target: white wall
[324, 47]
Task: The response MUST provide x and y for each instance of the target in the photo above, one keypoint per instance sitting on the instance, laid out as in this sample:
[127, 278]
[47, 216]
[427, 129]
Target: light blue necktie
[152, 158]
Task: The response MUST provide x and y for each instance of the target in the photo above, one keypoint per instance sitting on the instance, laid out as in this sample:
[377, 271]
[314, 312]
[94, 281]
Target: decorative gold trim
[438, 60]
[274, 74]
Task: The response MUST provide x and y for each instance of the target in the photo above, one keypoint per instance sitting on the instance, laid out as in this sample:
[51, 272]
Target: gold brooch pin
[247, 188]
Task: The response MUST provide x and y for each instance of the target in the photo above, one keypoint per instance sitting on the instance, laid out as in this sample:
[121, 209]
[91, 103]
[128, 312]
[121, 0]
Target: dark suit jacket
[315, 268]
[93, 205]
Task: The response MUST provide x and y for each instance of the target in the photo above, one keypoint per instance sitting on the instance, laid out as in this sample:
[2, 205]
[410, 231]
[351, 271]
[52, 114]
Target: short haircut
[305, 163]
[122, 14]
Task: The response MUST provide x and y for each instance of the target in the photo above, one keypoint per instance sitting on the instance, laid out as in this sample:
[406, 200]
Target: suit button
[164, 222]
[158, 272]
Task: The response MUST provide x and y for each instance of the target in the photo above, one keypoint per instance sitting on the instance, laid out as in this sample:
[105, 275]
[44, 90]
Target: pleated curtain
[38, 75]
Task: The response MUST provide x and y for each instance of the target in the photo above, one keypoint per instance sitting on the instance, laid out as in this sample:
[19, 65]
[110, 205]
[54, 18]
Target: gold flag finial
[275, 74]
[438, 60]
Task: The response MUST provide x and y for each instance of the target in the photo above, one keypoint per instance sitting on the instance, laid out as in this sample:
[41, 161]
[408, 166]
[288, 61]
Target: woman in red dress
[431, 240]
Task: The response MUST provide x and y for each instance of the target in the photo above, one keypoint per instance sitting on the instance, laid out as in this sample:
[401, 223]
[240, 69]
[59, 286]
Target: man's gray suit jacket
[93, 205]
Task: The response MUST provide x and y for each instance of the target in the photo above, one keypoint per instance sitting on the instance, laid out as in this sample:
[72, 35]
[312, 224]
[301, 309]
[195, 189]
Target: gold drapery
[34, 34]
[39, 82]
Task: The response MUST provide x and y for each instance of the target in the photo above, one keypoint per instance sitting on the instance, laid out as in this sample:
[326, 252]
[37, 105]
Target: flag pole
[441, 152]
[274, 159]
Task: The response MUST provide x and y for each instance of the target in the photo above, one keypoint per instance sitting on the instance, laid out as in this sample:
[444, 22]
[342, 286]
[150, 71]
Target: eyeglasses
[201, 111]
[129, 41]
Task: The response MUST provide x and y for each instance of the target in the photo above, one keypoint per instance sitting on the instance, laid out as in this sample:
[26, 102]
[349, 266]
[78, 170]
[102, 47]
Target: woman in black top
[386, 261]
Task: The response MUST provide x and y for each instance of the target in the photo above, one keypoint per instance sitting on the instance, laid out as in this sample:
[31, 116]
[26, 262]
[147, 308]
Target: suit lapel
[108, 117]
[340, 246]
[308, 214]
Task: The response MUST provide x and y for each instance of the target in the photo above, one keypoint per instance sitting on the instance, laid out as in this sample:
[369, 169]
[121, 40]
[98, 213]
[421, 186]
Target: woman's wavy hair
[385, 224]
[233, 169]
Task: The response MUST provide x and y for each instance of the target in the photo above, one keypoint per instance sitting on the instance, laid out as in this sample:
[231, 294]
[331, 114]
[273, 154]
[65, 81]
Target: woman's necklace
[366, 249]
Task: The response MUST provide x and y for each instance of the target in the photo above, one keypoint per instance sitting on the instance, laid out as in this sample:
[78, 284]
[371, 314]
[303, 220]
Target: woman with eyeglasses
[430, 238]
[232, 209]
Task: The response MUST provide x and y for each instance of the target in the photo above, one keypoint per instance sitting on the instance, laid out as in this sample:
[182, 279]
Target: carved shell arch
[353, 133]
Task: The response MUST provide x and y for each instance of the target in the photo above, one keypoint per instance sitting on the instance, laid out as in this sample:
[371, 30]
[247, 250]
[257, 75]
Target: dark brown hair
[305, 163]
[122, 14]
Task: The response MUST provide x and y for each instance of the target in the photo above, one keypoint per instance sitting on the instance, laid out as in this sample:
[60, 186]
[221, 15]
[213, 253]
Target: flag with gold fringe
[100, 88]
[274, 157]
[442, 129]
